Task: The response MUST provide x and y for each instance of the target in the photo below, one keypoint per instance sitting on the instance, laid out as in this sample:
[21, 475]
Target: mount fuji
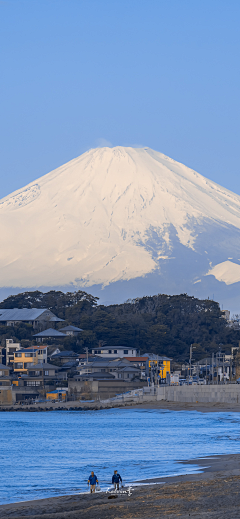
[120, 223]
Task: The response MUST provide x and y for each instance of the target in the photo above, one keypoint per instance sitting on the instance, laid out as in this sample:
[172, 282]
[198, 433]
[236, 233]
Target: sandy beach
[186, 406]
[97, 406]
[213, 494]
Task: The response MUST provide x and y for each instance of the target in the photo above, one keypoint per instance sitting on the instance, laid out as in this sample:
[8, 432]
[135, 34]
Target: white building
[112, 352]
[42, 352]
[11, 347]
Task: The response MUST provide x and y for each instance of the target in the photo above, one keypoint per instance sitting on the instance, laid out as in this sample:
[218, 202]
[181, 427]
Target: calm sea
[50, 454]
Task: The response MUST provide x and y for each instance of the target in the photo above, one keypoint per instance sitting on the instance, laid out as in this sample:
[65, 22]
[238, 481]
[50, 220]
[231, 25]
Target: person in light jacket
[92, 480]
[115, 479]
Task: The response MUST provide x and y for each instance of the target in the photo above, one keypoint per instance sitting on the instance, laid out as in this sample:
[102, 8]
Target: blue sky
[78, 74]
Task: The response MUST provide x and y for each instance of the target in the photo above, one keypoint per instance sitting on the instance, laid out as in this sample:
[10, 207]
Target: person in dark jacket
[115, 479]
[92, 480]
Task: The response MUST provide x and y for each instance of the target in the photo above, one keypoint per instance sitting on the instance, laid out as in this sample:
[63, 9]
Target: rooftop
[71, 329]
[152, 356]
[136, 359]
[64, 354]
[2, 366]
[97, 374]
[114, 348]
[50, 332]
[44, 365]
[43, 347]
[21, 314]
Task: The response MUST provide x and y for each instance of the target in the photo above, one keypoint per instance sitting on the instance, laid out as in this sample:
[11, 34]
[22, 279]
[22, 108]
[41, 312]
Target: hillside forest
[161, 324]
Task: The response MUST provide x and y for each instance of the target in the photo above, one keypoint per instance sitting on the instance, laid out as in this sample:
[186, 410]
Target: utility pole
[86, 350]
[206, 369]
[212, 366]
[223, 355]
[190, 363]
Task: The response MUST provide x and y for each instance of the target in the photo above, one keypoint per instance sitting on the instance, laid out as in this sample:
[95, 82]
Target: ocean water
[50, 454]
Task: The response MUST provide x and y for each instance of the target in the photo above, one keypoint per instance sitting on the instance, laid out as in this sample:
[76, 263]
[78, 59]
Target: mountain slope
[119, 214]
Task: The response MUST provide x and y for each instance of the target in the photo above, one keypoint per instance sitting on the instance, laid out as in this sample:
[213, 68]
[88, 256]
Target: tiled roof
[21, 314]
[2, 366]
[64, 354]
[71, 329]
[136, 359]
[50, 333]
[44, 365]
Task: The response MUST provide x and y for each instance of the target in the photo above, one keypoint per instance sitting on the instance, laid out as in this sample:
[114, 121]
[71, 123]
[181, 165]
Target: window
[109, 351]
[125, 352]
[46, 373]
[18, 365]
[18, 354]
[115, 351]
[28, 354]
[1, 373]
[33, 382]
[95, 351]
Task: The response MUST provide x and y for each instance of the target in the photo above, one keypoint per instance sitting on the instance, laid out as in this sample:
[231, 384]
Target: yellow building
[160, 365]
[58, 395]
[24, 359]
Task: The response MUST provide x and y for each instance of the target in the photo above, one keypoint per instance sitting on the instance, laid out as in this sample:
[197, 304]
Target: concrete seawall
[228, 394]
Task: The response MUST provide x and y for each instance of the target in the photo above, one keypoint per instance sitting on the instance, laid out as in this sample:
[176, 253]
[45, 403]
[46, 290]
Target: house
[5, 386]
[42, 352]
[11, 347]
[34, 316]
[4, 370]
[53, 350]
[64, 356]
[115, 351]
[42, 369]
[50, 333]
[98, 375]
[119, 369]
[139, 362]
[40, 378]
[70, 367]
[71, 330]
[129, 373]
[23, 359]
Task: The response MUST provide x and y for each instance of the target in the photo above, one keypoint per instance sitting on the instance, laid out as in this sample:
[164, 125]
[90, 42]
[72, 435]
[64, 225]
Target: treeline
[160, 324]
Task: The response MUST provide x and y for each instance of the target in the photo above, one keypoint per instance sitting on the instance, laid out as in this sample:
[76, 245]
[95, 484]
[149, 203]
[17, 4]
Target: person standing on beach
[115, 479]
[92, 480]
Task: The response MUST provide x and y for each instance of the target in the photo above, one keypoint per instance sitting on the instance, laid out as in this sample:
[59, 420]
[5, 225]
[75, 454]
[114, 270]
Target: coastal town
[42, 370]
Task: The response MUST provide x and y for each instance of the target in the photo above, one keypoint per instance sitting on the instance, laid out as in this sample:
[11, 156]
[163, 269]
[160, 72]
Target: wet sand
[213, 494]
[196, 406]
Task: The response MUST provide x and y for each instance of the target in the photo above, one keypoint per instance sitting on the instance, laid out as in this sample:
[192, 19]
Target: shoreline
[213, 493]
[202, 407]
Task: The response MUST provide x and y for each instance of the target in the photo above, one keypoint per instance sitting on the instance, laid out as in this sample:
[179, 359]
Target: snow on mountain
[118, 215]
